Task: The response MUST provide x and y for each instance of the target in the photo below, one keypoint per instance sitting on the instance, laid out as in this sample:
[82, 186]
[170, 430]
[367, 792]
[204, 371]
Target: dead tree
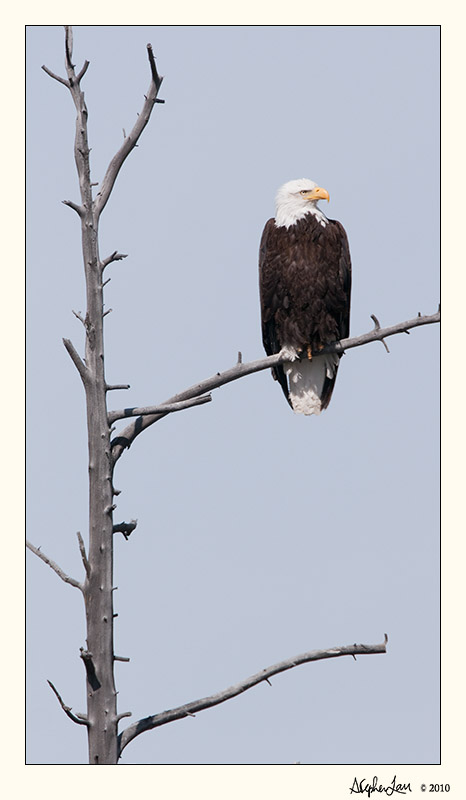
[102, 717]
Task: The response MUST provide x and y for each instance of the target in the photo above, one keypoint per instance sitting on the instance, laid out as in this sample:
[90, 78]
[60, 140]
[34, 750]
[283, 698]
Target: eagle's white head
[297, 198]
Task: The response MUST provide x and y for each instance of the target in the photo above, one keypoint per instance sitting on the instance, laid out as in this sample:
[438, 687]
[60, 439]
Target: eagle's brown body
[305, 287]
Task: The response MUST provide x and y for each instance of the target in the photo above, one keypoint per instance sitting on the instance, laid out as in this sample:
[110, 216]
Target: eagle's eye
[304, 191]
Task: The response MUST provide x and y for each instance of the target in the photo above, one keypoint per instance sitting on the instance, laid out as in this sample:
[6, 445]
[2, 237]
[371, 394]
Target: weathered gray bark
[98, 595]
[196, 395]
[98, 657]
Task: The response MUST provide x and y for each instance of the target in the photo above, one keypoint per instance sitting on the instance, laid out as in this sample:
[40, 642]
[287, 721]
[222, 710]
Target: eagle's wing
[344, 291]
[345, 275]
[269, 280]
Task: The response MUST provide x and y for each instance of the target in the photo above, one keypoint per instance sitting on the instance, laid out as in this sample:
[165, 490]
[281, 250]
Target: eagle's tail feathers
[311, 382]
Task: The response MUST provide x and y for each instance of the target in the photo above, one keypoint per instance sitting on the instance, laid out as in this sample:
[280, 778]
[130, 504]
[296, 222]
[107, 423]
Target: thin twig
[166, 408]
[82, 550]
[78, 316]
[80, 719]
[111, 387]
[129, 434]
[61, 574]
[148, 723]
[377, 328]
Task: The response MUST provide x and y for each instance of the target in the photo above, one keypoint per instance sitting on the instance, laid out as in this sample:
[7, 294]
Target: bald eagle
[305, 286]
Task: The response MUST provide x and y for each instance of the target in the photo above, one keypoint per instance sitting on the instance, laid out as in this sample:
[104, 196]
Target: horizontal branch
[124, 714]
[378, 334]
[129, 434]
[126, 528]
[165, 408]
[61, 574]
[79, 719]
[112, 387]
[130, 142]
[189, 709]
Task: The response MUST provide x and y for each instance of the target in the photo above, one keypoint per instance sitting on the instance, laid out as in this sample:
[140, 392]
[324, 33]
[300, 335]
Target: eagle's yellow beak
[318, 194]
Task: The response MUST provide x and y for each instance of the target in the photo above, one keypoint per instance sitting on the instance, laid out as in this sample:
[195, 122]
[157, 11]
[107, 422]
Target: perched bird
[305, 287]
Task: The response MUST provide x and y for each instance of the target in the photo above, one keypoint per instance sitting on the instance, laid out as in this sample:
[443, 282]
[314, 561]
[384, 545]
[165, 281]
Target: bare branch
[378, 334]
[126, 528]
[377, 328]
[80, 719]
[115, 256]
[69, 47]
[79, 209]
[88, 661]
[155, 75]
[82, 550]
[82, 72]
[77, 360]
[166, 408]
[129, 434]
[121, 658]
[130, 141]
[111, 387]
[79, 316]
[61, 574]
[124, 714]
[56, 77]
[155, 721]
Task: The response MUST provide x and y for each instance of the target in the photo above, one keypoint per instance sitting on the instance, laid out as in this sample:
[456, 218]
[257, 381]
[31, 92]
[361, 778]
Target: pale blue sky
[261, 534]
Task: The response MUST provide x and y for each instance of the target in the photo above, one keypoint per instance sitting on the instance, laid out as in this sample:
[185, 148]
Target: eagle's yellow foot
[309, 352]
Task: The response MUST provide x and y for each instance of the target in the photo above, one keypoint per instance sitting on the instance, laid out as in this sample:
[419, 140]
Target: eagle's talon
[309, 352]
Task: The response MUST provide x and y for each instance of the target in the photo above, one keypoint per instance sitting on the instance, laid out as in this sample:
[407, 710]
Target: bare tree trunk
[101, 696]
[99, 656]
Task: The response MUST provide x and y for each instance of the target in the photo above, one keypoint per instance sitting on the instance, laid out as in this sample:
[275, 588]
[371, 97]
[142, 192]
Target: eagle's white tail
[306, 381]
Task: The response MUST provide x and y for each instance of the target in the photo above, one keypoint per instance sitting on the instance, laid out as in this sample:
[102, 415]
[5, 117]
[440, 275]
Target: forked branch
[129, 434]
[190, 709]
[80, 719]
